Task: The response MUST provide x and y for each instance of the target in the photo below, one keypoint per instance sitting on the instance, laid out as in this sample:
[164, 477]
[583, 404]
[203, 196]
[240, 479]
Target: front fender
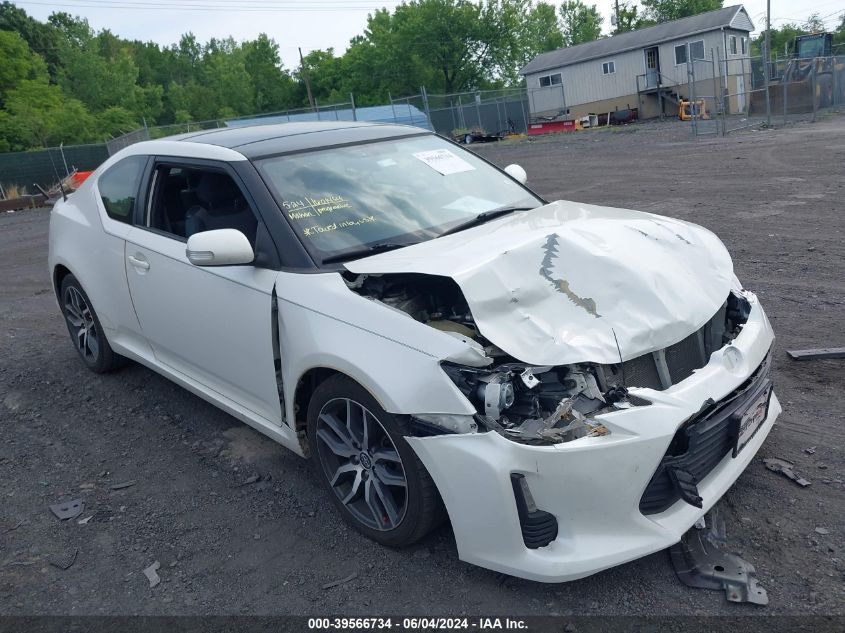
[324, 325]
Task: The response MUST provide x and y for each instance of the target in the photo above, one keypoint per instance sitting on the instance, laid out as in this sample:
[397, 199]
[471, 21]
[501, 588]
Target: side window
[190, 200]
[696, 49]
[733, 44]
[118, 187]
[681, 54]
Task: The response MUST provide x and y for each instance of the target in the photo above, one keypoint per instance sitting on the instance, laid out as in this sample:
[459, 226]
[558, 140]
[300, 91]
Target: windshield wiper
[367, 250]
[481, 218]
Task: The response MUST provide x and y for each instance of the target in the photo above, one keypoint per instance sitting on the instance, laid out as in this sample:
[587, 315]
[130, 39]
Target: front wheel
[86, 333]
[375, 479]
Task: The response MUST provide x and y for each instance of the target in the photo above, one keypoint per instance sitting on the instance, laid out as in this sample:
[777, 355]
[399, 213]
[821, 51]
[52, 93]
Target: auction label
[418, 624]
[444, 161]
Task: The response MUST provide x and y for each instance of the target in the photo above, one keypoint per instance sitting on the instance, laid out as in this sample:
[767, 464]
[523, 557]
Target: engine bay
[537, 404]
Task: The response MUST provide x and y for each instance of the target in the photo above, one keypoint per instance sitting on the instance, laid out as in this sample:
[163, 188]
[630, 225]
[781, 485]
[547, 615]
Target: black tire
[91, 345]
[422, 508]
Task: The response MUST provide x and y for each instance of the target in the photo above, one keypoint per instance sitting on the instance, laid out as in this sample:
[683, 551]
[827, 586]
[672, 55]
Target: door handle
[139, 262]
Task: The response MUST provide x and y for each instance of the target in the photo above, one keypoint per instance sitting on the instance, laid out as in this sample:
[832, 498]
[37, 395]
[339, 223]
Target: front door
[652, 67]
[740, 93]
[212, 324]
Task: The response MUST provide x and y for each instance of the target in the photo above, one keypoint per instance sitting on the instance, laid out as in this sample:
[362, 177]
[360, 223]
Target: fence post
[834, 100]
[522, 106]
[715, 89]
[426, 108]
[813, 86]
[352, 103]
[785, 81]
[478, 109]
[392, 107]
[766, 73]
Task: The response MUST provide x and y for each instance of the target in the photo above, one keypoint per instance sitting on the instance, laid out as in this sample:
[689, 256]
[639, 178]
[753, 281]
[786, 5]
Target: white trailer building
[646, 69]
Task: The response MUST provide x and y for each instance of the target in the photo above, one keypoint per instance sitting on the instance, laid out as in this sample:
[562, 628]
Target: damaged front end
[534, 404]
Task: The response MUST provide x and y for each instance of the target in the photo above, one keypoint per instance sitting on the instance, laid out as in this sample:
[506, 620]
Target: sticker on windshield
[443, 161]
[471, 204]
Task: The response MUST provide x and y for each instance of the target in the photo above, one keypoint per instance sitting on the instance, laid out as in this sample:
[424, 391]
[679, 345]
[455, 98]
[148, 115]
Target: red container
[550, 127]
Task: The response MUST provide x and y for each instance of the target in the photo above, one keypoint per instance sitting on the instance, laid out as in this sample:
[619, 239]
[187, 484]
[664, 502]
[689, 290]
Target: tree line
[62, 82]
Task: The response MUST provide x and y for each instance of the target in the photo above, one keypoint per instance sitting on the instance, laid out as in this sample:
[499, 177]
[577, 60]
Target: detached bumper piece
[700, 560]
[700, 444]
[539, 528]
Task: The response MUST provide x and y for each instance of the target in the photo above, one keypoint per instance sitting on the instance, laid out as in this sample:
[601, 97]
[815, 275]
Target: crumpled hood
[553, 285]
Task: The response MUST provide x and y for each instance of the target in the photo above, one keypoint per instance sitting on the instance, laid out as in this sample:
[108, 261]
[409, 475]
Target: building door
[740, 93]
[652, 67]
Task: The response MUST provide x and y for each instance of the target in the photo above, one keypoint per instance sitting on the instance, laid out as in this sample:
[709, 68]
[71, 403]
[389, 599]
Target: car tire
[85, 330]
[363, 472]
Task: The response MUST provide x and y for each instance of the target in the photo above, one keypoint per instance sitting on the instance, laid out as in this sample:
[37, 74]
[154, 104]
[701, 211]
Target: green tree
[43, 116]
[630, 19]
[539, 32]
[41, 38]
[273, 87]
[579, 22]
[18, 62]
[666, 10]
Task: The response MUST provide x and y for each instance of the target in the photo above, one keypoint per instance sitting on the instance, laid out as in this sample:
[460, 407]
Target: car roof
[257, 141]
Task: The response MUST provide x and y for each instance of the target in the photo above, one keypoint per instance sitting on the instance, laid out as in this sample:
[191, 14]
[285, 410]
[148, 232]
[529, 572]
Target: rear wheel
[86, 333]
[375, 479]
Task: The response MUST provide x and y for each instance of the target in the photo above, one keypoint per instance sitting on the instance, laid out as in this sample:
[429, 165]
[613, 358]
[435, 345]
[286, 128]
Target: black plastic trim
[539, 528]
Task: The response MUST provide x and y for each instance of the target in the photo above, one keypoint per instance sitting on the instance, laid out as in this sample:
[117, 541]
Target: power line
[161, 6]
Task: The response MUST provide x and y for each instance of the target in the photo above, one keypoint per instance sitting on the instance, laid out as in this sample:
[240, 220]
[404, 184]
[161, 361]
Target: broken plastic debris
[85, 520]
[784, 467]
[700, 560]
[64, 560]
[122, 485]
[152, 576]
[68, 509]
[342, 581]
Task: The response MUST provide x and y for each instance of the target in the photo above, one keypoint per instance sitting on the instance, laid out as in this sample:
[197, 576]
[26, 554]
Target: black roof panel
[255, 141]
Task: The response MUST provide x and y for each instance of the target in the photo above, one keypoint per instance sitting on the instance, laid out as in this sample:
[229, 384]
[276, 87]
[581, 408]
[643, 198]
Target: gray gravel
[239, 526]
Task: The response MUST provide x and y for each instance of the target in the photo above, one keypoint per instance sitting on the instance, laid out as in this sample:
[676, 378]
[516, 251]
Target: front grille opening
[700, 444]
[664, 368]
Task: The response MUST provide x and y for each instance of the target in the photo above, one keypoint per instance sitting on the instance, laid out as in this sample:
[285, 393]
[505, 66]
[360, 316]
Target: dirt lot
[227, 546]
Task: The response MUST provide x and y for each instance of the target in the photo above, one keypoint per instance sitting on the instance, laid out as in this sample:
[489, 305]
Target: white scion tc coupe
[573, 385]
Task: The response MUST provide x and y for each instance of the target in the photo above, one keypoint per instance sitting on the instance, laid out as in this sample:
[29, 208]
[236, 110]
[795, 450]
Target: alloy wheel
[81, 324]
[361, 464]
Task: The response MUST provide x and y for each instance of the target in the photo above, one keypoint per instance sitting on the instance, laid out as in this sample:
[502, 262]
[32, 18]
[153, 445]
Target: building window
[744, 42]
[681, 54]
[608, 68]
[696, 50]
[733, 44]
[550, 80]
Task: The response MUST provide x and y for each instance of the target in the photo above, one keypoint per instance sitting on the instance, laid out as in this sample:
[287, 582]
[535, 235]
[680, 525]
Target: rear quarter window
[118, 187]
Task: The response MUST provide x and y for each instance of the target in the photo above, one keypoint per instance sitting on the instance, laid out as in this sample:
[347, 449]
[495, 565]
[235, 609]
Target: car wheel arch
[306, 385]
[59, 273]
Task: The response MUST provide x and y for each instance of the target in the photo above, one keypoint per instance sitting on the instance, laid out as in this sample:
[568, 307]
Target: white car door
[213, 324]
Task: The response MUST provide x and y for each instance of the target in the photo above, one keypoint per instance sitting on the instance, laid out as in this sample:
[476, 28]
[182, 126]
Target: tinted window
[190, 200]
[119, 186]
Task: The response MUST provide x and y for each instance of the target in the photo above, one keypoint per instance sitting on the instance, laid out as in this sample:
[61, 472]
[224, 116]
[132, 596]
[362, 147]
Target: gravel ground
[228, 546]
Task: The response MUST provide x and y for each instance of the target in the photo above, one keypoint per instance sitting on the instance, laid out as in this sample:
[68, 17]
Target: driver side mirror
[220, 247]
[517, 173]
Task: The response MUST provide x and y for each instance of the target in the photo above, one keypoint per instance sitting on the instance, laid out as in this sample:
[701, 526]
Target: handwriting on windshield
[317, 229]
[308, 207]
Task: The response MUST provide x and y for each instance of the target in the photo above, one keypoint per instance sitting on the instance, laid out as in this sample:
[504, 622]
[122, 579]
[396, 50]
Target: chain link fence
[21, 173]
[746, 92]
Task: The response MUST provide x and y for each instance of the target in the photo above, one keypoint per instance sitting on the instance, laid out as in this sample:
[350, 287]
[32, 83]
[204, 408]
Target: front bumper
[592, 485]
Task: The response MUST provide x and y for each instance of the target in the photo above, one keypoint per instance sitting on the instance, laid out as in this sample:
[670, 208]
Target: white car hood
[553, 285]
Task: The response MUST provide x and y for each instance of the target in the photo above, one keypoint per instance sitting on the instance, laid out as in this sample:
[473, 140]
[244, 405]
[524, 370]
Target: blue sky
[310, 24]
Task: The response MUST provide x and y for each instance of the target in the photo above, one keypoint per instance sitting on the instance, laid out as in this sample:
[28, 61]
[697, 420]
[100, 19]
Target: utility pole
[618, 26]
[307, 79]
[767, 60]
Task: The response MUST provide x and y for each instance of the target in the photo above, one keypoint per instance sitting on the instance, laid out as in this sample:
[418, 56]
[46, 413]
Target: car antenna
[621, 363]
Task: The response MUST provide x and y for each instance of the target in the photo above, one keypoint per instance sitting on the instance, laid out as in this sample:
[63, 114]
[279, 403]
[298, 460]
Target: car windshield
[400, 191]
